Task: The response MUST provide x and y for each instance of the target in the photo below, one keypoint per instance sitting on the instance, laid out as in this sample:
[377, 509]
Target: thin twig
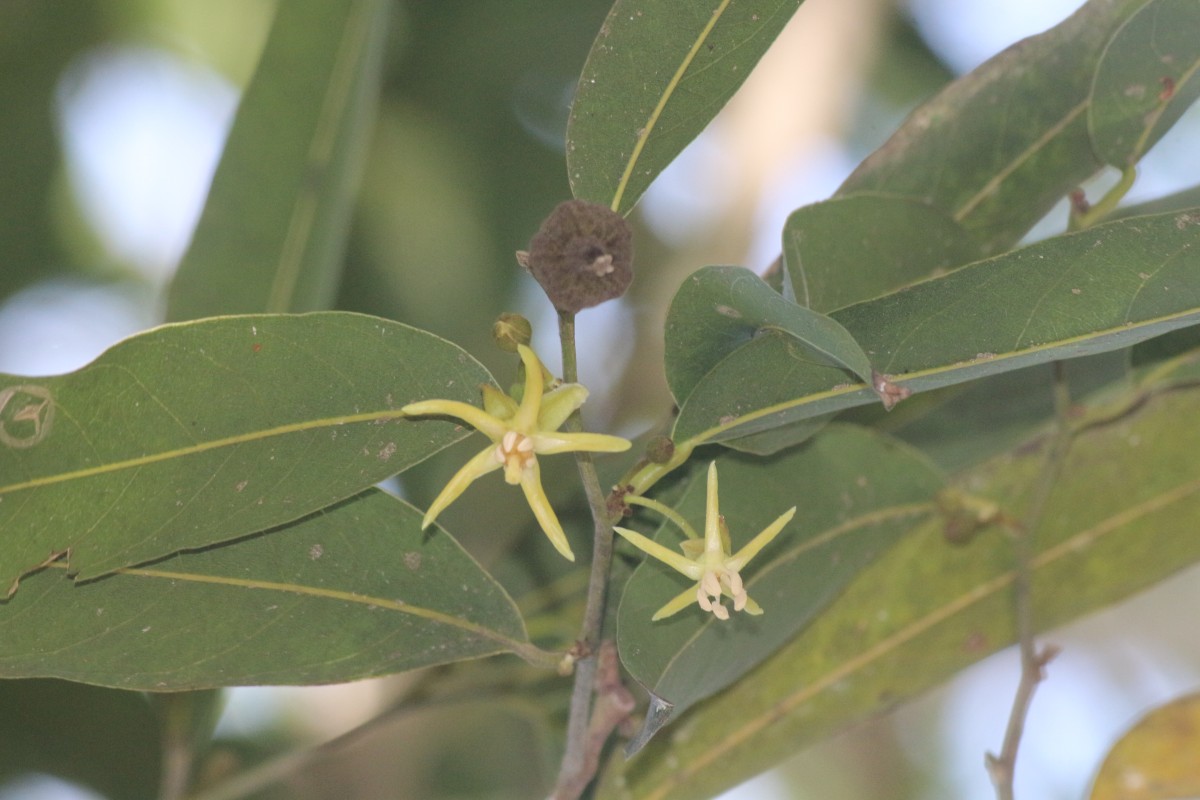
[576, 771]
[1002, 768]
[614, 704]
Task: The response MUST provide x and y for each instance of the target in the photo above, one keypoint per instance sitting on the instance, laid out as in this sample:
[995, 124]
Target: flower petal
[531, 483]
[668, 557]
[559, 404]
[551, 443]
[712, 514]
[760, 541]
[525, 420]
[481, 464]
[497, 403]
[676, 604]
[476, 417]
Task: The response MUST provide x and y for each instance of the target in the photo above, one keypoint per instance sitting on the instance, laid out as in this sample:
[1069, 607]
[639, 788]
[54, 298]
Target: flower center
[715, 582]
[515, 452]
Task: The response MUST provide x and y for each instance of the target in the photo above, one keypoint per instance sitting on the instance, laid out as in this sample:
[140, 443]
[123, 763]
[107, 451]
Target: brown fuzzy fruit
[582, 255]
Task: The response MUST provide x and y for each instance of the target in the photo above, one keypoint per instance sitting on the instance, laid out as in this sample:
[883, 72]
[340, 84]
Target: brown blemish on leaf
[26, 415]
[387, 452]
[889, 393]
[316, 551]
[412, 560]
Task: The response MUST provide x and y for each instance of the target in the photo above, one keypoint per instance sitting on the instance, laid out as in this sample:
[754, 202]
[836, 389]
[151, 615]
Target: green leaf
[719, 310]
[352, 591]
[657, 73]
[1146, 79]
[1098, 290]
[99, 738]
[853, 248]
[999, 147]
[927, 609]
[273, 229]
[855, 491]
[198, 433]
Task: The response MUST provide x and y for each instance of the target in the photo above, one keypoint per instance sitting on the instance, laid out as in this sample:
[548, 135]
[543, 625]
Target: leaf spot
[26, 415]
[387, 452]
[240, 485]
[1184, 220]
[412, 560]
[316, 551]
[727, 311]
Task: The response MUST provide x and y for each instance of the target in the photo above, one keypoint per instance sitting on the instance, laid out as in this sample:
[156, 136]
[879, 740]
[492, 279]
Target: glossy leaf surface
[1146, 79]
[273, 229]
[855, 492]
[999, 147]
[720, 310]
[857, 247]
[198, 433]
[926, 609]
[1099, 290]
[656, 75]
[349, 592]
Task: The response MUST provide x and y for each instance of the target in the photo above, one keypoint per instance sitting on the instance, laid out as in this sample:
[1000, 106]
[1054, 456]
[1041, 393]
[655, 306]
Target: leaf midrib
[201, 447]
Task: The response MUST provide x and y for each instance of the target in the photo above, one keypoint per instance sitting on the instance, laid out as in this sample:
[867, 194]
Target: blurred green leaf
[926, 609]
[35, 50]
[656, 76]
[999, 147]
[1146, 79]
[856, 247]
[1095, 291]
[1156, 759]
[273, 229]
[855, 492]
[352, 591]
[198, 433]
[719, 310]
[99, 738]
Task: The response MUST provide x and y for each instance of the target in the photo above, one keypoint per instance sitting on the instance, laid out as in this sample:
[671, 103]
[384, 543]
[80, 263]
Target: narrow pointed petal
[668, 557]
[752, 547]
[525, 420]
[476, 417]
[551, 443]
[752, 608]
[531, 483]
[559, 404]
[676, 604]
[712, 513]
[497, 403]
[481, 464]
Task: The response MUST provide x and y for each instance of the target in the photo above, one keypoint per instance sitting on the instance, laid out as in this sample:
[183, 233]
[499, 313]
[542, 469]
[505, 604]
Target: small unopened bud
[510, 330]
[582, 255]
[660, 449]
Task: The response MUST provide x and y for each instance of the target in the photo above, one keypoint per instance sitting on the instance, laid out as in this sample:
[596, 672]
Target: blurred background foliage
[113, 115]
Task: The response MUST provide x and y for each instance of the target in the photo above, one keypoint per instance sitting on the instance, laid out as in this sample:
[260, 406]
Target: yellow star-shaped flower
[520, 432]
[707, 561]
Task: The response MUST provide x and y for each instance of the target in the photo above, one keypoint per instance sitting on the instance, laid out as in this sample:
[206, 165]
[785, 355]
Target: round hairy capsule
[582, 255]
[510, 330]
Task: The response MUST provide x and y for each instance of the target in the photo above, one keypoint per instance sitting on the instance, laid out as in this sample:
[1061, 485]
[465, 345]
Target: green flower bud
[510, 330]
[660, 449]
